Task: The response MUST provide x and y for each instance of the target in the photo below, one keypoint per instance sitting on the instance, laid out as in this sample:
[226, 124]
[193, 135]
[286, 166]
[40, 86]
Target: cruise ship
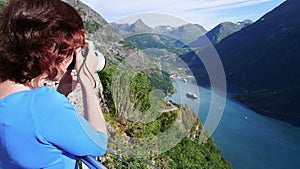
[191, 95]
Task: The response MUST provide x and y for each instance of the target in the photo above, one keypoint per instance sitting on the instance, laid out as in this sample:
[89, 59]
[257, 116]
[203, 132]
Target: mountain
[153, 40]
[185, 33]
[263, 59]
[163, 29]
[130, 29]
[261, 62]
[163, 50]
[220, 32]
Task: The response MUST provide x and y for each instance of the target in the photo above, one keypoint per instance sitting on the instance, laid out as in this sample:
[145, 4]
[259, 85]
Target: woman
[39, 128]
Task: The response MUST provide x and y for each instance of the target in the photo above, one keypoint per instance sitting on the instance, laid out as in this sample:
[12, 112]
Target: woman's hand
[66, 84]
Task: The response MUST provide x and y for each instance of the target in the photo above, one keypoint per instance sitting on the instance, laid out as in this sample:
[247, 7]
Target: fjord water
[247, 139]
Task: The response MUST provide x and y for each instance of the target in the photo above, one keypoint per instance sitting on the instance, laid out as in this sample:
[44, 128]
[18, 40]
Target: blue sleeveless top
[40, 128]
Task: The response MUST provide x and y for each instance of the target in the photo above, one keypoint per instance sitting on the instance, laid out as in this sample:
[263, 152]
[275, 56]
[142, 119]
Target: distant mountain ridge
[131, 29]
[185, 33]
[220, 32]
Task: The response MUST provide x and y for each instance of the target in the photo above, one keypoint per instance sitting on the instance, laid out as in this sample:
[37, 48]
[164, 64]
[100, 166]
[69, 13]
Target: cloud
[231, 4]
[119, 6]
[203, 12]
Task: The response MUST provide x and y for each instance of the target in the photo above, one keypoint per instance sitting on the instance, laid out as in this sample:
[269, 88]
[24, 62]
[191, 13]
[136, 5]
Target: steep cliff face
[266, 53]
[263, 60]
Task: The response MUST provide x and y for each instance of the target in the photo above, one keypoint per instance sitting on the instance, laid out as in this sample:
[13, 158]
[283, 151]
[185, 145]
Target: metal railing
[92, 163]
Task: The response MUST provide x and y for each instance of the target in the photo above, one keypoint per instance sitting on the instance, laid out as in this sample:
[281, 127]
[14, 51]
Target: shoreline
[295, 121]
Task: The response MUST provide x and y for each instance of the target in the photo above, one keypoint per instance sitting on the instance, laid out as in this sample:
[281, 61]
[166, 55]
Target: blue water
[248, 140]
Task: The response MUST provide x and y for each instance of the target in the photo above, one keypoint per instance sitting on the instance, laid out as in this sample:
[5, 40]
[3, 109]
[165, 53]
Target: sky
[207, 13]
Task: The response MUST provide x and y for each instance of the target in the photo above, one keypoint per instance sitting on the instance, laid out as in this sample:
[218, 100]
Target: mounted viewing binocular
[84, 52]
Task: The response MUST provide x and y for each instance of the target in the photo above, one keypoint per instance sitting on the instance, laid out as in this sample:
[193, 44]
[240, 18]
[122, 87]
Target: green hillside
[195, 149]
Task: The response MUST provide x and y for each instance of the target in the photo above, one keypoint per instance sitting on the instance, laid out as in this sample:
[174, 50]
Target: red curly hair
[36, 36]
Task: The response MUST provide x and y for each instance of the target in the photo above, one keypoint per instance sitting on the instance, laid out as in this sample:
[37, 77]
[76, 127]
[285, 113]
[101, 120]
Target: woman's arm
[92, 110]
